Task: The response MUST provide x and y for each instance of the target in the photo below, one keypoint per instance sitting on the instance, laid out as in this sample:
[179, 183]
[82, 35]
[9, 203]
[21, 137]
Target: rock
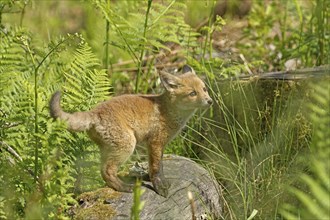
[184, 175]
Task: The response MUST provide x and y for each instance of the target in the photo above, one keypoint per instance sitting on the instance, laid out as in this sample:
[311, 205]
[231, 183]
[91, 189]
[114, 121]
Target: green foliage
[314, 203]
[134, 32]
[148, 30]
[252, 142]
[41, 158]
[282, 30]
[85, 86]
[44, 164]
[137, 203]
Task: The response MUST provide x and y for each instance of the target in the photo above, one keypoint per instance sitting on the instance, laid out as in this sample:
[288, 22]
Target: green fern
[315, 203]
[147, 30]
[66, 63]
[129, 29]
[82, 81]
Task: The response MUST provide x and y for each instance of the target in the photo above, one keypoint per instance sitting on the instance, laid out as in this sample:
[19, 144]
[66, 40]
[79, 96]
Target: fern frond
[84, 85]
[12, 54]
[165, 24]
[316, 201]
[59, 152]
[13, 65]
[319, 189]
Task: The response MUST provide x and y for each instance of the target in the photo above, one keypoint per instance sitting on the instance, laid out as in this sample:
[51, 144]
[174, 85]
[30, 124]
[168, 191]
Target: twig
[10, 125]
[245, 64]
[133, 69]
[192, 204]
[320, 71]
[11, 150]
[146, 58]
[202, 24]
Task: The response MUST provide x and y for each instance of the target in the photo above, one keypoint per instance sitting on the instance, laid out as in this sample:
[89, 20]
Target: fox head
[187, 91]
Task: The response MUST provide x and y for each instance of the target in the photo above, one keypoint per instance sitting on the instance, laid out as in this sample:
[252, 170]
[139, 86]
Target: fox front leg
[160, 184]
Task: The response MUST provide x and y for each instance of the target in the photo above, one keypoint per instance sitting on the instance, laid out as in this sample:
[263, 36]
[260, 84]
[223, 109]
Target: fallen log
[297, 74]
[184, 175]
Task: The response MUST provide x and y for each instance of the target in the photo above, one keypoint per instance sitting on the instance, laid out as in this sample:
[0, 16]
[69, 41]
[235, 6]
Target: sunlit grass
[251, 142]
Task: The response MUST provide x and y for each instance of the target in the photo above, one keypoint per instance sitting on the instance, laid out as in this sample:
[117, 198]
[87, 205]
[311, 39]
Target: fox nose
[210, 101]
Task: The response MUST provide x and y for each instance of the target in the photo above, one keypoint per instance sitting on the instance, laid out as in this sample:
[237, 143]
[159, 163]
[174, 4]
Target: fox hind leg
[112, 157]
[109, 174]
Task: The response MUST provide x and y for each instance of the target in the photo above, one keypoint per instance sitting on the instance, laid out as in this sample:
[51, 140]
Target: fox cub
[119, 124]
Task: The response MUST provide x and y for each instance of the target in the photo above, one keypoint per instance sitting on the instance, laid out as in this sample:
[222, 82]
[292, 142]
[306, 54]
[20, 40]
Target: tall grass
[252, 143]
[142, 53]
[258, 133]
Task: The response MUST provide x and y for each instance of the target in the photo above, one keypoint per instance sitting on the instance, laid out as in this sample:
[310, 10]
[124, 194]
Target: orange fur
[119, 124]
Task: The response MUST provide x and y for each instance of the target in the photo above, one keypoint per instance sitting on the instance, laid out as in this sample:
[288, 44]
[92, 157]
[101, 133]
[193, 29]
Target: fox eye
[194, 93]
[204, 89]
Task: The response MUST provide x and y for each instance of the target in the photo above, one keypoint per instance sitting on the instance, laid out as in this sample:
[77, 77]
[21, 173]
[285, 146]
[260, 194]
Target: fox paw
[161, 186]
[123, 187]
[127, 187]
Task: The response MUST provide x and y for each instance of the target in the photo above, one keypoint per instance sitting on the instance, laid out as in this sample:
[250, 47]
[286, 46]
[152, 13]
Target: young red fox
[119, 124]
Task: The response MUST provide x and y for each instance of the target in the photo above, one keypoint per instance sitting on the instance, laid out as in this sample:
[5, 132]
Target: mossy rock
[184, 175]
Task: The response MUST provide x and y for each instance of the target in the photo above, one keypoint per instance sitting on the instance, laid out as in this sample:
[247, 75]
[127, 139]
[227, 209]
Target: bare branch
[10, 150]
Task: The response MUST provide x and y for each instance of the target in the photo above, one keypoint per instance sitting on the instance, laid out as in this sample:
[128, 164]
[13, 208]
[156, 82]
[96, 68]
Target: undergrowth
[41, 163]
[256, 139]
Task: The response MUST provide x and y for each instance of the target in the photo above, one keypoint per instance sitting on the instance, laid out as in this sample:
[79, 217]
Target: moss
[98, 211]
[93, 206]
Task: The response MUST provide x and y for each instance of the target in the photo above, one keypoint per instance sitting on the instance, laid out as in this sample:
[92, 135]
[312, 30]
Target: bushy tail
[78, 121]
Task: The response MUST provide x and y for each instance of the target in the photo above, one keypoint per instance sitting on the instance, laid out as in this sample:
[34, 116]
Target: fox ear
[169, 81]
[186, 69]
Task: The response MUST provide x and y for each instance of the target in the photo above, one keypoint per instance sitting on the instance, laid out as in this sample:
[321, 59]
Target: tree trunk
[184, 175]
